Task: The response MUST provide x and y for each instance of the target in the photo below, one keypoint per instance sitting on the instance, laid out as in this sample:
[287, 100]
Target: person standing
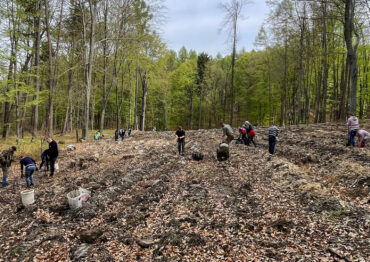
[30, 166]
[122, 133]
[228, 132]
[116, 135]
[53, 154]
[353, 126]
[97, 136]
[273, 133]
[6, 160]
[362, 136]
[129, 131]
[180, 140]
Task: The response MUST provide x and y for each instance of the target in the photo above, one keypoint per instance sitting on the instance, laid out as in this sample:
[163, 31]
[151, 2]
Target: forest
[82, 65]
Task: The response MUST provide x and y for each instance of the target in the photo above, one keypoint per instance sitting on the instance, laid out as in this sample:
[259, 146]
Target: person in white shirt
[362, 136]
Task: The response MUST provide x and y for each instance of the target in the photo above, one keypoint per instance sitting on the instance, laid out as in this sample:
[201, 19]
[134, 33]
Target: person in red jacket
[250, 133]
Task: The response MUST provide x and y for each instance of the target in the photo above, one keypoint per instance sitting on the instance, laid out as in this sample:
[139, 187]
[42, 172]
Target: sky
[196, 25]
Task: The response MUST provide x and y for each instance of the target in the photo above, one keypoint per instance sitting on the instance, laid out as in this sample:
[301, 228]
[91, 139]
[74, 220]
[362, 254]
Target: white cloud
[195, 24]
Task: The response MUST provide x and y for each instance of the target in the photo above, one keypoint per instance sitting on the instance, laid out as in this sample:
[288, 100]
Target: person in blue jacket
[30, 166]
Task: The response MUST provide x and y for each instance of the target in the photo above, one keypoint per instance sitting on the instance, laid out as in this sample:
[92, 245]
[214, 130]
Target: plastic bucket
[74, 199]
[28, 197]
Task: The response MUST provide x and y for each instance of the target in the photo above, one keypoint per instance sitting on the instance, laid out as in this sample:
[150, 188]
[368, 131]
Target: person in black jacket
[30, 166]
[180, 140]
[53, 154]
[45, 159]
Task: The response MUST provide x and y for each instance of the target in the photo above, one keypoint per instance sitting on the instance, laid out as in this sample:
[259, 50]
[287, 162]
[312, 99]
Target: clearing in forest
[308, 203]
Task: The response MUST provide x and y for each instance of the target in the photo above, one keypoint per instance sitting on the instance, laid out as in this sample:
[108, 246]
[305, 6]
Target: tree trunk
[191, 110]
[325, 66]
[136, 95]
[35, 108]
[105, 97]
[300, 78]
[7, 105]
[284, 94]
[88, 68]
[349, 29]
[232, 71]
[200, 106]
[69, 103]
[144, 86]
[343, 88]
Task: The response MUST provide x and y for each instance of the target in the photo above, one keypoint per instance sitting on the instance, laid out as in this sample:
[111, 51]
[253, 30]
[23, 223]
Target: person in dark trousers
[353, 126]
[243, 134]
[6, 160]
[45, 159]
[273, 133]
[116, 135]
[30, 166]
[53, 153]
[122, 133]
[180, 140]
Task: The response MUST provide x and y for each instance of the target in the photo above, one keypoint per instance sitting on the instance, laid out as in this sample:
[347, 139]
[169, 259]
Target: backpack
[197, 156]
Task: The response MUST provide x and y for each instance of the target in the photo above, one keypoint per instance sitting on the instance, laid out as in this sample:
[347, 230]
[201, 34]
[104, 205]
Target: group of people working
[355, 131]
[121, 133]
[246, 134]
[28, 164]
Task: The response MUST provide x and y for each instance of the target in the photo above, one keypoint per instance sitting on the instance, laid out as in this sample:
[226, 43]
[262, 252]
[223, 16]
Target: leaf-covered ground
[308, 203]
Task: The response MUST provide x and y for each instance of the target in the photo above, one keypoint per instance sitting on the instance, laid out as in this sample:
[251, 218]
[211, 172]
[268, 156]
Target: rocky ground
[308, 203]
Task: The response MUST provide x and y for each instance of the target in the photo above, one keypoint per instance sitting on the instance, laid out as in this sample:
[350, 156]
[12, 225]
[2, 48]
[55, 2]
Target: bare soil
[310, 202]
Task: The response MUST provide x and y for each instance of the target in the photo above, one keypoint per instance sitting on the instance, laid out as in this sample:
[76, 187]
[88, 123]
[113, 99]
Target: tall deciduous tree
[232, 11]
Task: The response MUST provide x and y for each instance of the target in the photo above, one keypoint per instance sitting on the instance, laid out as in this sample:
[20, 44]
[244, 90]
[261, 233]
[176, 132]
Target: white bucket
[28, 197]
[74, 199]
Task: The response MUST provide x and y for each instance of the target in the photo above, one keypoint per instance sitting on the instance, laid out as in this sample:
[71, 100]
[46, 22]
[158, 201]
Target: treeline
[78, 65]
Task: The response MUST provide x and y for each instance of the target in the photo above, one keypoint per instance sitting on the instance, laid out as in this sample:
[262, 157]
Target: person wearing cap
[180, 140]
[6, 160]
[30, 166]
[228, 132]
[353, 126]
[53, 154]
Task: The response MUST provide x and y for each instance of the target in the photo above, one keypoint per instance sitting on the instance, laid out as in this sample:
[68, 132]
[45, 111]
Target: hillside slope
[308, 203]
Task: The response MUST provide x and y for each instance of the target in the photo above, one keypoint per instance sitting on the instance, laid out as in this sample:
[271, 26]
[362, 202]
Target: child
[243, 133]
